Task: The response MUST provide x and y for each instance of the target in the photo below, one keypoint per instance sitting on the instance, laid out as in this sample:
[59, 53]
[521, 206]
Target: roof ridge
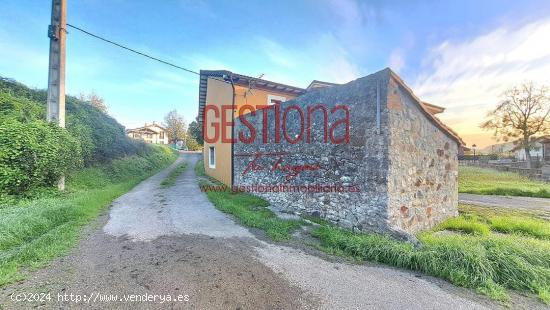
[450, 132]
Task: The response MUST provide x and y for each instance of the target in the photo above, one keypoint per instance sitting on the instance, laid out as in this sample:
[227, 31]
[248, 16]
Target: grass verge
[33, 232]
[249, 210]
[474, 256]
[489, 250]
[466, 224]
[171, 178]
[485, 181]
[523, 226]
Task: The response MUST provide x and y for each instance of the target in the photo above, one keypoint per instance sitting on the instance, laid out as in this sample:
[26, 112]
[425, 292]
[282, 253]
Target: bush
[101, 137]
[21, 109]
[192, 144]
[34, 154]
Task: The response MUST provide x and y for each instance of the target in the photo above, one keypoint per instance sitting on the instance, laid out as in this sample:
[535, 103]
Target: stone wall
[405, 170]
[423, 166]
[362, 162]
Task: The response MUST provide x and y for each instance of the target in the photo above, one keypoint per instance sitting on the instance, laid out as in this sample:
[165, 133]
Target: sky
[457, 54]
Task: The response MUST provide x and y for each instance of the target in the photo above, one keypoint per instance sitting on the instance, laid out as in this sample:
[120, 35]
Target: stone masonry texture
[405, 169]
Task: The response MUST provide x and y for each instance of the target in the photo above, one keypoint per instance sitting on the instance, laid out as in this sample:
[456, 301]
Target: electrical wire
[138, 52]
[149, 56]
[132, 50]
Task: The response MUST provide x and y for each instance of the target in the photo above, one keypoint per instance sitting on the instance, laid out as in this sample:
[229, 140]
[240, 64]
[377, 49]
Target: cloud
[333, 61]
[161, 81]
[352, 18]
[397, 60]
[468, 77]
[321, 58]
[276, 53]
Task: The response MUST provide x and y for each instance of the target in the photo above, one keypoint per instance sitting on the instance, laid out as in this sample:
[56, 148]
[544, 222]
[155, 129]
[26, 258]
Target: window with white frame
[273, 99]
[212, 157]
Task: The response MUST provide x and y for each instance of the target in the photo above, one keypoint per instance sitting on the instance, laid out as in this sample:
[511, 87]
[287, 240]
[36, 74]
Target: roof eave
[438, 123]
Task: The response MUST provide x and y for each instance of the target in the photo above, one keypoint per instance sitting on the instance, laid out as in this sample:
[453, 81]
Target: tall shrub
[34, 154]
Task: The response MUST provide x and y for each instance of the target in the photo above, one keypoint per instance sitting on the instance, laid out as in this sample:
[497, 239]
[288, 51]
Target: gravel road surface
[154, 243]
[527, 203]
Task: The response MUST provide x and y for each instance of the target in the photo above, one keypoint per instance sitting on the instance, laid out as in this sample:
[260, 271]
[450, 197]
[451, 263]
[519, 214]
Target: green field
[485, 181]
[35, 231]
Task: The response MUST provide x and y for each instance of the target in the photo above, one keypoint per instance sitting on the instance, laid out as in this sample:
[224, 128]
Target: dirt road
[526, 203]
[155, 244]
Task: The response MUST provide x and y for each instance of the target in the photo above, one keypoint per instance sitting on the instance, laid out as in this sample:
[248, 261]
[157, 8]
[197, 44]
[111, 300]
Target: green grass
[466, 224]
[199, 169]
[517, 257]
[35, 231]
[490, 264]
[489, 250]
[171, 178]
[249, 210]
[526, 226]
[485, 181]
[487, 212]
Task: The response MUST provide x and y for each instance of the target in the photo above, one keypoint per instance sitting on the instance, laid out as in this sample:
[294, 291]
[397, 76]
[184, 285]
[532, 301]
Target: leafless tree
[94, 100]
[521, 116]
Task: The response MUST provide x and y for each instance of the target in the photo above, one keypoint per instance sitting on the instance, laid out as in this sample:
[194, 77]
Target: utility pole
[57, 32]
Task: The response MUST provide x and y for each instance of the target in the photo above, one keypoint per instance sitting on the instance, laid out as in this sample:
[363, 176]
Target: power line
[146, 55]
[132, 50]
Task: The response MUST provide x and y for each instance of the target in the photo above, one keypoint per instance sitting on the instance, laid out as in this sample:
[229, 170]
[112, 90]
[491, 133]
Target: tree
[175, 126]
[192, 144]
[195, 131]
[522, 114]
[94, 100]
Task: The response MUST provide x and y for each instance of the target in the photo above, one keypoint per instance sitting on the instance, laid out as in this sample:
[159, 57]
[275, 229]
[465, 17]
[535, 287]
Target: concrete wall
[256, 97]
[423, 166]
[218, 94]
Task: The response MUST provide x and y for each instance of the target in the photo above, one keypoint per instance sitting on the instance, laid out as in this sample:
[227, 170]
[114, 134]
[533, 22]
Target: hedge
[34, 154]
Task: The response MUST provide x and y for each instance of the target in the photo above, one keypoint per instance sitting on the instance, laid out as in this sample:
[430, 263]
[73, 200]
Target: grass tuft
[466, 224]
[527, 226]
[171, 178]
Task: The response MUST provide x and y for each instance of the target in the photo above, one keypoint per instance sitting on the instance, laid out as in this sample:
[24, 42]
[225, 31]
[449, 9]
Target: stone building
[367, 155]
[393, 169]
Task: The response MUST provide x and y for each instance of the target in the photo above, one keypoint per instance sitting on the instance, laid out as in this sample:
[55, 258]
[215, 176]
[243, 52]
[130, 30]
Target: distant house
[514, 149]
[464, 150]
[149, 133]
[501, 149]
[536, 151]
